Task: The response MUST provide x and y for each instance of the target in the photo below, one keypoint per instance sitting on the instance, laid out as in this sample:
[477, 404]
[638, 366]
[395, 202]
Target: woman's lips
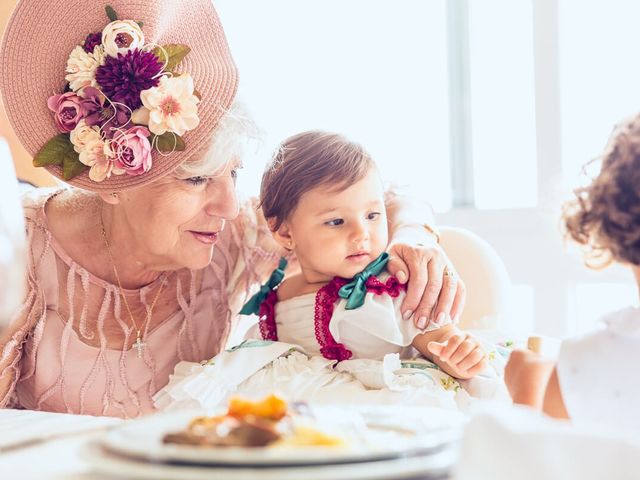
[208, 238]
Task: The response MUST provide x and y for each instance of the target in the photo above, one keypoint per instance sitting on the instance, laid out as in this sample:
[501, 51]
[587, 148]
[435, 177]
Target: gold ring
[448, 273]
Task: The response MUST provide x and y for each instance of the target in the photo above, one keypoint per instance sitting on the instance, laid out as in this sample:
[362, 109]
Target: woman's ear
[282, 234]
[110, 198]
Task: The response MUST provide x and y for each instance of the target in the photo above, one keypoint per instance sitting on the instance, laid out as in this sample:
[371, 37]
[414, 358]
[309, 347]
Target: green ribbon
[253, 305]
[356, 290]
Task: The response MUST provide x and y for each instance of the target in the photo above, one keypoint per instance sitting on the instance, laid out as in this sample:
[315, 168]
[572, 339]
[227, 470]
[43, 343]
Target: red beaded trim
[326, 299]
[267, 315]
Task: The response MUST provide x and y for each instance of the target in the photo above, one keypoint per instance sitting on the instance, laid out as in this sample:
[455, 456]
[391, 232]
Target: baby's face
[338, 233]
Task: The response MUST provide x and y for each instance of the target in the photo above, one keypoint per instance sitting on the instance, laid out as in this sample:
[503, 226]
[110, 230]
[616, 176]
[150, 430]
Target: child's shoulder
[294, 286]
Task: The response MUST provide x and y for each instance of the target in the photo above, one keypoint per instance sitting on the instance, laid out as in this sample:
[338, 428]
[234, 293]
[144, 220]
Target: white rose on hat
[121, 36]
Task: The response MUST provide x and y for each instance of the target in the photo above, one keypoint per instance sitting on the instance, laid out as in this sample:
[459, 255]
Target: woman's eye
[373, 215]
[236, 171]
[195, 181]
[335, 222]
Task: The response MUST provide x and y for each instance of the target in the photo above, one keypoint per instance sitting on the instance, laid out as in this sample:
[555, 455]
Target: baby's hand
[461, 355]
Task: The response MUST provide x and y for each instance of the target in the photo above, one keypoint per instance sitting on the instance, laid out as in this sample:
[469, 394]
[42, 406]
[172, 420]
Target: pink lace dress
[55, 354]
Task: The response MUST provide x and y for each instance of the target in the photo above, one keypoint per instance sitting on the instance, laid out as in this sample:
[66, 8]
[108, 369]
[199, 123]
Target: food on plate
[270, 422]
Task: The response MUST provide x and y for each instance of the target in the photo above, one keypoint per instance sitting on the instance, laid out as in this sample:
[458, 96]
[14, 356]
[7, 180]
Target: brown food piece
[231, 432]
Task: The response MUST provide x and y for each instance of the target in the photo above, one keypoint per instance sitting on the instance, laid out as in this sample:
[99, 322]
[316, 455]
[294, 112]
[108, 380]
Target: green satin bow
[356, 290]
[253, 305]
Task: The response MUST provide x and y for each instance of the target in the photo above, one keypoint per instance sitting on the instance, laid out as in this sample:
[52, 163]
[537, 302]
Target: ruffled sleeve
[246, 255]
[377, 327]
[28, 321]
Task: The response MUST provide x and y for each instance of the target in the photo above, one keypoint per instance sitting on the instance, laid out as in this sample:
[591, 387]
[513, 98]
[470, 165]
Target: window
[599, 75]
[502, 104]
[486, 109]
[372, 70]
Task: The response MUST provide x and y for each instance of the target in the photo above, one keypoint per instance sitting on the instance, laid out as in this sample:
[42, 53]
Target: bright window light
[599, 76]
[371, 69]
[502, 103]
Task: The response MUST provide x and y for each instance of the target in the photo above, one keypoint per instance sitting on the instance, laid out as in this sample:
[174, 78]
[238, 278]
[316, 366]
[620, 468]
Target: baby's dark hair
[604, 216]
[306, 161]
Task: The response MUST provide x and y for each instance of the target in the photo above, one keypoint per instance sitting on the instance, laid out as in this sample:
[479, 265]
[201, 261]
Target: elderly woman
[149, 259]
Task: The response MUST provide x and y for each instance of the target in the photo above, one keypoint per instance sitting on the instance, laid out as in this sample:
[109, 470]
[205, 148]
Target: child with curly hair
[594, 379]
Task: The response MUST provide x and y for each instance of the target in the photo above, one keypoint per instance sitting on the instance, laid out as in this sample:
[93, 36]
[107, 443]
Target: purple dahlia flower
[122, 78]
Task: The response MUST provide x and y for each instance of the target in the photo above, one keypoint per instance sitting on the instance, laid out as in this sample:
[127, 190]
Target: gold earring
[114, 194]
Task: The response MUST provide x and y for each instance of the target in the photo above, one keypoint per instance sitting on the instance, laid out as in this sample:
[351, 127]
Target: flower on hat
[133, 151]
[69, 110]
[82, 66]
[118, 83]
[122, 36]
[124, 77]
[83, 135]
[111, 117]
[92, 41]
[172, 106]
[98, 155]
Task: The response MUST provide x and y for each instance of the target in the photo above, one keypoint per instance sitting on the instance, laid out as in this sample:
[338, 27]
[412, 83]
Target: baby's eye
[373, 215]
[335, 222]
[195, 181]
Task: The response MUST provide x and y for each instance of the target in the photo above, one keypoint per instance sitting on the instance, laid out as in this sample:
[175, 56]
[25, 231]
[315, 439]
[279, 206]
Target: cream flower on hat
[82, 66]
[98, 155]
[121, 36]
[83, 135]
[171, 106]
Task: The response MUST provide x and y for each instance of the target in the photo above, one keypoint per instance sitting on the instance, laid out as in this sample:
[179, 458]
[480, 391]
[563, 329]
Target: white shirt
[370, 331]
[598, 373]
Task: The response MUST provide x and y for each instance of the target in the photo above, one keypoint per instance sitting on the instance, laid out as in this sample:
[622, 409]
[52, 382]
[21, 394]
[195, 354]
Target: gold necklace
[139, 344]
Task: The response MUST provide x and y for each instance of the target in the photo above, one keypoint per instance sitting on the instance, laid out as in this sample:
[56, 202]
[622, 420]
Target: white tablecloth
[58, 458]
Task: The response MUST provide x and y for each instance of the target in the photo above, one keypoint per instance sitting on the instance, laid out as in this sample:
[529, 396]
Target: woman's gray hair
[236, 130]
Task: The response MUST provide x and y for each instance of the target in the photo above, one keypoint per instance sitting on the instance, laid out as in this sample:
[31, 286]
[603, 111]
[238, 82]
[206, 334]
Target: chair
[485, 277]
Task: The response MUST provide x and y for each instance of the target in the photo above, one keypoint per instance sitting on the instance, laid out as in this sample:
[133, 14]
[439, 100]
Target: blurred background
[486, 108]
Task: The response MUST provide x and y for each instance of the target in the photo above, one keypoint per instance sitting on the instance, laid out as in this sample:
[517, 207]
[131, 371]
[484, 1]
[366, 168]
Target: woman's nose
[222, 199]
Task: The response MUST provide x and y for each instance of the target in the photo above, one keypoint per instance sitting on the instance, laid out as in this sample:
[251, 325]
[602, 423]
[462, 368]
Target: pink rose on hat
[132, 151]
[69, 109]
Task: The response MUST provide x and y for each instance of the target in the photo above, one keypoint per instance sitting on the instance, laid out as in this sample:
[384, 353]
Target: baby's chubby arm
[457, 353]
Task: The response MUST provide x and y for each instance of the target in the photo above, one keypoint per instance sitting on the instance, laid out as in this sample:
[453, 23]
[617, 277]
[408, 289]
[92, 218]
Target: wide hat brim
[41, 34]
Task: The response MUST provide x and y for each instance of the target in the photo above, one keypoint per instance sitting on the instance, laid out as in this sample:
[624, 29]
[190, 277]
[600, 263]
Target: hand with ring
[434, 290]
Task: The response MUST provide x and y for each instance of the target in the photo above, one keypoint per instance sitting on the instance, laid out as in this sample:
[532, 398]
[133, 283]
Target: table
[58, 457]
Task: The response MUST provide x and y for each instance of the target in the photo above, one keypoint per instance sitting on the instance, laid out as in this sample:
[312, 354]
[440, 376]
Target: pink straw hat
[37, 45]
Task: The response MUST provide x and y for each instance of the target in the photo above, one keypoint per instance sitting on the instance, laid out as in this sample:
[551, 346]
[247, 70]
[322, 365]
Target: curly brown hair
[604, 217]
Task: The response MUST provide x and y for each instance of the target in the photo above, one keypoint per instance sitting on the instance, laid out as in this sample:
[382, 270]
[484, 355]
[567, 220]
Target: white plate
[373, 433]
[436, 465]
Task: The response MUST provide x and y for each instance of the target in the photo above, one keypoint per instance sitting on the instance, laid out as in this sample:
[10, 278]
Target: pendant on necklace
[139, 346]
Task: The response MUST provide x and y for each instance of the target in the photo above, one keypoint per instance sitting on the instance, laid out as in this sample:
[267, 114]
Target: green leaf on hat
[175, 52]
[72, 166]
[59, 151]
[53, 152]
[197, 94]
[140, 24]
[168, 142]
[111, 13]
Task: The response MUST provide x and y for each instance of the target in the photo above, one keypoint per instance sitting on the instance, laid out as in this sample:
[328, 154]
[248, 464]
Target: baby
[333, 332]
[323, 198]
